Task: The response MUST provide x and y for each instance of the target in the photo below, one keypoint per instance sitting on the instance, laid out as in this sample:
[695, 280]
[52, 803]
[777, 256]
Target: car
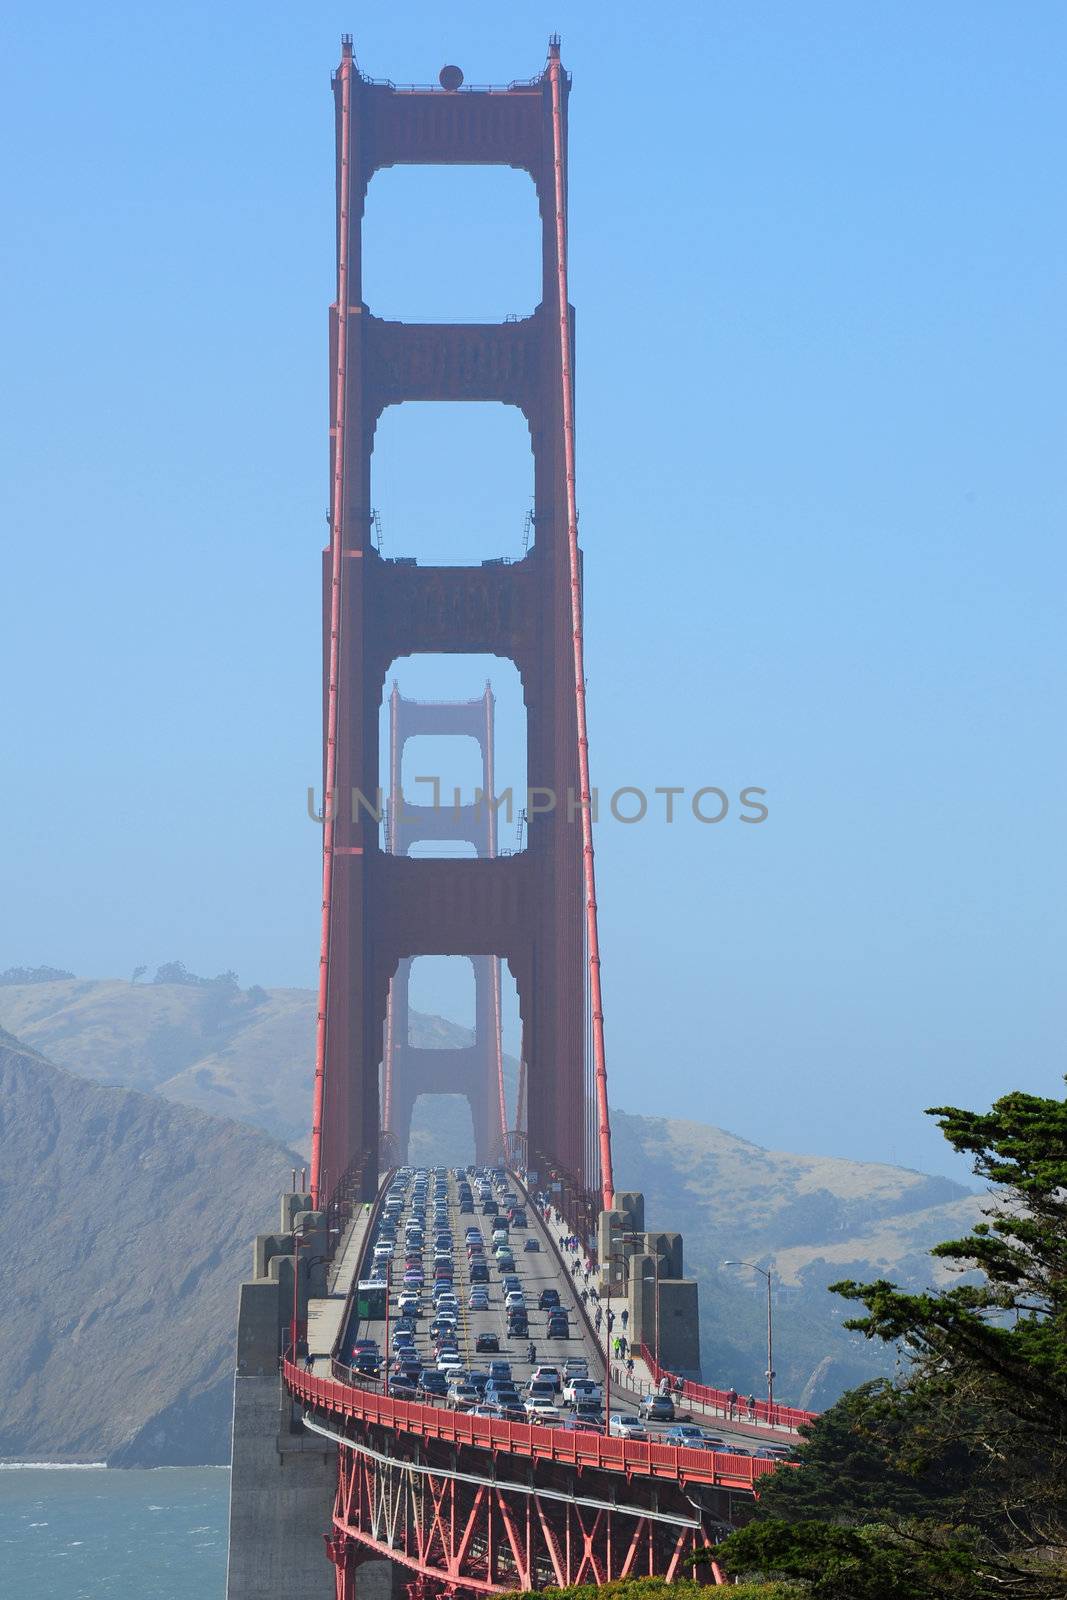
[364, 1344]
[515, 1300]
[484, 1411]
[434, 1383]
[464, 1397]
[478, 1300]
[576, 1389]
[625, 1426]
[401, 1384]
[547, 1297]
[715, 1441]
[576, 1367]
[531, 1246]
[466, 1207]
[501, 1391]
[686, 1436]
[490, 1208]
[478, 1379]
[780, 1452]
[583, 1425]
[657, 1408]
[449, 1363]
[479, 1273]
[485, 1343]
[589, 1411]
[543, 1412]
[558, 1328]
[546, 1372]
[518, 1325]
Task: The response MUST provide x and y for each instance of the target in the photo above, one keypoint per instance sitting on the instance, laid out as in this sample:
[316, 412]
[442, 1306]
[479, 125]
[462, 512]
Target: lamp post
[765, 1273]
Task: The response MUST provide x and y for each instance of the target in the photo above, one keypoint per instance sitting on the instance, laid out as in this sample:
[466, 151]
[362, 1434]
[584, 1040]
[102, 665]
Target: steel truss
[460, 1533]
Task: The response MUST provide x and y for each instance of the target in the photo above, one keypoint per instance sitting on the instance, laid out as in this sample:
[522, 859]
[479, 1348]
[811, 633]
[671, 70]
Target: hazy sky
[817, 259]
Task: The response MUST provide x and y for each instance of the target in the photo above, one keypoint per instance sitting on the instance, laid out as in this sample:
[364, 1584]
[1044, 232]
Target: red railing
[643, 1458]
[777, 1416]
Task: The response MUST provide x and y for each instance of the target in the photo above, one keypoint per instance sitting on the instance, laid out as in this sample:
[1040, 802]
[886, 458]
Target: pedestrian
[585, 1297]
[623, 1342]
[752, 1407]
[731, 1400]
[615, 1348]
[625, 1318]
[681, 1386]
[611, 1320]
[599, 1319]
[664, 1385]
[309, 1361]
[629, 1366]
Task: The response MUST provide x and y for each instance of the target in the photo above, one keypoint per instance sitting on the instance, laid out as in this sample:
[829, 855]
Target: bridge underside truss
[459, 1533]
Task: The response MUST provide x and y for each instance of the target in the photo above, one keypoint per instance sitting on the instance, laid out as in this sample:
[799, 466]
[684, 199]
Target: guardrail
[738, 1410]
[630, 1457]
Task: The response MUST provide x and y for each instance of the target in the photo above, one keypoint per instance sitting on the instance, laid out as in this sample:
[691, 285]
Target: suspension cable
[607, 1183]
[336, 546]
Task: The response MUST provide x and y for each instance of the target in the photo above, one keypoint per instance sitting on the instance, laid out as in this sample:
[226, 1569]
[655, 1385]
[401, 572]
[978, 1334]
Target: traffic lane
[536, 1270]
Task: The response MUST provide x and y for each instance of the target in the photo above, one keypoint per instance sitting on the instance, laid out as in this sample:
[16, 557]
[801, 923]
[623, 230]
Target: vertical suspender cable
[329, 798]
[494, 964]
[392, 847]
[607, 1182]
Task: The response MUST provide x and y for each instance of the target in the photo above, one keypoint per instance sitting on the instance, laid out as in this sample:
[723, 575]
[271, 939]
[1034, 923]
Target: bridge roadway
[475, 1504]
[536, 1269]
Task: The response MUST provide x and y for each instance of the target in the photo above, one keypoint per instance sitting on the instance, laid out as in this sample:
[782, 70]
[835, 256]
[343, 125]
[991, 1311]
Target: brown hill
[128, 1224]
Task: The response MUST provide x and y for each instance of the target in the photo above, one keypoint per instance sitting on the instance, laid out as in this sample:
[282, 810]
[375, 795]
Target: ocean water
[89, 1533]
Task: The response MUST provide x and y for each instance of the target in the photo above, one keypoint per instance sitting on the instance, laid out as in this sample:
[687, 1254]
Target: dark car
[547, 1297]
[433, 1383]
[487, 1342]
[490, 1208]
[479, 1272]
[532, 1244]
[518, 1324]
[558, 1328]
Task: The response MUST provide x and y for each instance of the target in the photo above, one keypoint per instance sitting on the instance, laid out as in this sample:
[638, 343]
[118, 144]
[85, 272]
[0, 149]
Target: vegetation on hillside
[951, 1482]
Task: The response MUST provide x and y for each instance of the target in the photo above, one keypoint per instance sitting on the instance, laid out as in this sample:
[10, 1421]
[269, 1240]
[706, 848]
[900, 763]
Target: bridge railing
[643, 1458]
[775, 1416]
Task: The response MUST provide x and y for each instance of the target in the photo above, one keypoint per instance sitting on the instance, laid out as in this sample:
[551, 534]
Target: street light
[765, 1272]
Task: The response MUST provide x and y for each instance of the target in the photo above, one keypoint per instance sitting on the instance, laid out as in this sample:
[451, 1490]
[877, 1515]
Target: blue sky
[817, 259]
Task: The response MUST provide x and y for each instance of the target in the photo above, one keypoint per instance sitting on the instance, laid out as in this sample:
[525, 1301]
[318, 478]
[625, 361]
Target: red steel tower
[535, 909]
[475, 1071]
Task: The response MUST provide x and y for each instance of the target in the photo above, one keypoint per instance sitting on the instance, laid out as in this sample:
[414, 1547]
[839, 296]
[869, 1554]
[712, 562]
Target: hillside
[244, 1053]
[247, 1054]
[128, 1225]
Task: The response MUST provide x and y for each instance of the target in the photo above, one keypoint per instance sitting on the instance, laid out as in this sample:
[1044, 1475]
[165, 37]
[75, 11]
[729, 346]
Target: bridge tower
[475, 1071]
[535, 909]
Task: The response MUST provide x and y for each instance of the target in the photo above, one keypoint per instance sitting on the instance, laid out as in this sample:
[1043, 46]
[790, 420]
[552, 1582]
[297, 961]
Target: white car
[543, 1412]
[625, 1426]
[515, 1301]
